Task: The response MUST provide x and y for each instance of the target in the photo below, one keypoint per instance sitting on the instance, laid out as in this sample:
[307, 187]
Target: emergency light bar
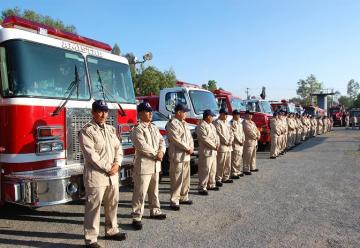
[187, 85]
[13, 21]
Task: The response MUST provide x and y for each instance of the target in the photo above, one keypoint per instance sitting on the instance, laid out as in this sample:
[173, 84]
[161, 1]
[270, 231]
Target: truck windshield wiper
[70, 90]
[107, 94]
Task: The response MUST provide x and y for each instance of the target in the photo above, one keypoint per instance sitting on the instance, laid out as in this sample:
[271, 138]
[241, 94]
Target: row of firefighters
[290, 129]
[227, 151]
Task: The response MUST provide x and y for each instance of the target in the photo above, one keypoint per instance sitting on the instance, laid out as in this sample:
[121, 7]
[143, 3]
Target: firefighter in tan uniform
[252, 135]
[181, 146]
[103, 155]
[291, 131]
[319, 126]
[238, 143]
[226, 137]
[149, 152]
[275, 133]
[299, 129]
[208, 145]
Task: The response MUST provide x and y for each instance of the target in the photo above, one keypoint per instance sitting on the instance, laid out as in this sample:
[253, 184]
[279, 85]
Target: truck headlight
[54, 146]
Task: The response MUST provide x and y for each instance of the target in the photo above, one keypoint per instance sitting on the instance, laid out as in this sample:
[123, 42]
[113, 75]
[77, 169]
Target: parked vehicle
[49, 81]
[283, 105]
[262, 114]
[196, 98]
[337, 113]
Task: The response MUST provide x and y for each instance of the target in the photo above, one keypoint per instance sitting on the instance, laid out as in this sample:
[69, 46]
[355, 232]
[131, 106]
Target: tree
[356, 103]
[151, 81]
[346, 101]
[116, 49]
[211, 85]
[353, 89]
[33, 16]
[307, 87]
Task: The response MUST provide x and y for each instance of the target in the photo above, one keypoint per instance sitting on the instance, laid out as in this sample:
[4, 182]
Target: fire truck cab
[228, 101]
[283, 105]
[49, 80]
[262, 114]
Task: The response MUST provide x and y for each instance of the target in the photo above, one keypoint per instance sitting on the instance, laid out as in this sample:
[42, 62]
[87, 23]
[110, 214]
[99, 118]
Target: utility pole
[247, 93]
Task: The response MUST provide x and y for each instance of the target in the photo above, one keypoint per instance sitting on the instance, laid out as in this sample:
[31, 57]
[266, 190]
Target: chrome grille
[75, 120]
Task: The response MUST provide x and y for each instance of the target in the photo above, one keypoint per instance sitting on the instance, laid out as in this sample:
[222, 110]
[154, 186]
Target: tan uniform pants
[274, 150]
[284, 142]
[207, 172]
[223, 168]
[249, 157]
[145, 184]
[298, 136]
[179, 181]
[237, 162]
[109, 195]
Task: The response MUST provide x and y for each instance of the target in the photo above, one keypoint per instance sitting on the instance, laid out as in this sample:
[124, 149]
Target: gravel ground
[307, 198]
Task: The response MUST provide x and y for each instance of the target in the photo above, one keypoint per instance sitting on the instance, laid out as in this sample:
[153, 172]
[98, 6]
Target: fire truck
[337, 113]
[228, 101]
[283, 105]
[262, 114]
[49, 80]
[192, 95]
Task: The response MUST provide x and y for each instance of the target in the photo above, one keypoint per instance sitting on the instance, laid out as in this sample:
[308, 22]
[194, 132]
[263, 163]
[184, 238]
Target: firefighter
[103, 155]
[237, 152]
[226, 137]
[298, 129]
[181, 146]
[319, 129]
[275, 133]
[347, 121]
[252, 135]
[149, 152]
[208, 145]
[291, 131]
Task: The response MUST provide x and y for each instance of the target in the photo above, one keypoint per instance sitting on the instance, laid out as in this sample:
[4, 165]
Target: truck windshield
[238, 104]
[291, 108]
[265, 107]
[202, 100]
[116, 79]
[35, 70]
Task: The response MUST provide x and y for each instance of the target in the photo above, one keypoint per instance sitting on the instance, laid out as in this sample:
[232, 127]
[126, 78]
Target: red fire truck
[49, 79]
[337, 113]
[227, 100]
[261, 108]
[283, 105]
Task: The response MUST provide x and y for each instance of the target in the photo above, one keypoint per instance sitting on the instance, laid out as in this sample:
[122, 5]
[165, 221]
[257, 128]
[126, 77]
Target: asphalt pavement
[310, 197]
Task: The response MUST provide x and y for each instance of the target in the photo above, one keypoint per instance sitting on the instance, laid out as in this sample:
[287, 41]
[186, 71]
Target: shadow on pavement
[32, 243]
[42, 234]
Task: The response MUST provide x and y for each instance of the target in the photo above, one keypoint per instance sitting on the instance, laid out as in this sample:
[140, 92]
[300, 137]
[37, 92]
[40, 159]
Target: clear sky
[238, 43]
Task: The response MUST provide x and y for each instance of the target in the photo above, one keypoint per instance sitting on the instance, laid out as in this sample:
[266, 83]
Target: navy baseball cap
[208, 112]
[181, 107]
[248, 112]
[144, 106]
[223, 111]
[100, 105]
[236, 112]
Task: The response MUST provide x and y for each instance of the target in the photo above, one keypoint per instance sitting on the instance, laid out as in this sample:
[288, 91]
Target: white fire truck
[49, 80]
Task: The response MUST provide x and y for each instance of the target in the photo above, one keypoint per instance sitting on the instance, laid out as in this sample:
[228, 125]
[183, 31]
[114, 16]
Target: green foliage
[33, 16]
[307, 87]
[353, 88]
[211, 85]
[151, 81]
[116, 49]
[356, 103]
[346, 101]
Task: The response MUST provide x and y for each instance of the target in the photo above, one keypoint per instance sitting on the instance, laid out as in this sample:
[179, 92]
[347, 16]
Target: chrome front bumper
[55, 185]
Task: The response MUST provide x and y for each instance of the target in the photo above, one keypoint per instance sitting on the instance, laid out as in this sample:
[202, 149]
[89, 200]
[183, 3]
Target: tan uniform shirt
[148, 142]
[180, 140]
[208, 139]
[252, 133]
[226, 137]
[238, 133]
[101, 148]
[275, 126]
